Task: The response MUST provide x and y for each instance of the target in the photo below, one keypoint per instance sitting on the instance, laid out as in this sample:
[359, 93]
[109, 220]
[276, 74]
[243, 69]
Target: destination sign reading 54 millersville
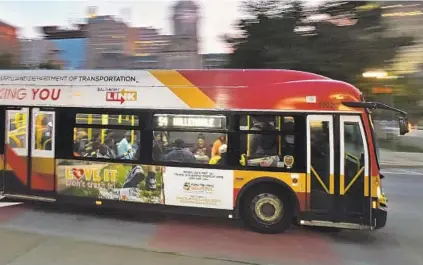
[189, 121]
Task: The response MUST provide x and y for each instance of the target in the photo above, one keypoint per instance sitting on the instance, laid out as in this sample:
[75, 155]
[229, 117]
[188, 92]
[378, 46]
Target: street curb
[390, 165]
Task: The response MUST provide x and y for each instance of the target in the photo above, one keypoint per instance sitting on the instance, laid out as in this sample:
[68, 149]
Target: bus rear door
[2, 148]
[29, 152]
[16, 159]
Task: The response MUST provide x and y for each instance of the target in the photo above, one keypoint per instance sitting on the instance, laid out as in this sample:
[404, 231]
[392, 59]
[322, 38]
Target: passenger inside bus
[263, 145]
[159, 146]
[288, 140]
[124, 146]
[270, 143]
[107, 148]
[220, 140]
[179, 153]
[201, 151]
[220, 159]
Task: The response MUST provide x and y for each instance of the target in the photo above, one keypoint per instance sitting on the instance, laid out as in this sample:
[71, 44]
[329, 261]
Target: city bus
[270, 147]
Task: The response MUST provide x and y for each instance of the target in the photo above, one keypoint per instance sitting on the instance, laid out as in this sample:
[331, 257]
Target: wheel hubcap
[268, 208]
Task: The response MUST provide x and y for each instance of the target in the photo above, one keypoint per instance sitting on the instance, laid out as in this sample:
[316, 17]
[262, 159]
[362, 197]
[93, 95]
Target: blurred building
[9, 43]
[35, 52]
[214, 60]
[149, 41]
[405, 18]
[71, 44]
[108, 38]
[146, 62]
[182, 51]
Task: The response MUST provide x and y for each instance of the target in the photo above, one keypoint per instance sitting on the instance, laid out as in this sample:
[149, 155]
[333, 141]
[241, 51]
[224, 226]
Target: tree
[6, 61]
[271, 38]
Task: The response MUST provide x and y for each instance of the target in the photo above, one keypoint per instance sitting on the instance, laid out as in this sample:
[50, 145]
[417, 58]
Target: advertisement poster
[125, 182]
[196, 187]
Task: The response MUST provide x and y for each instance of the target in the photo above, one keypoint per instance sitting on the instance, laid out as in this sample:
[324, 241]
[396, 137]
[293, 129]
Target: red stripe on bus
[18, 164]
[41, 181]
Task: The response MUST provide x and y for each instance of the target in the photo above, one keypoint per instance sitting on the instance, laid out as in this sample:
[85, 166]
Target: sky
[217, 16]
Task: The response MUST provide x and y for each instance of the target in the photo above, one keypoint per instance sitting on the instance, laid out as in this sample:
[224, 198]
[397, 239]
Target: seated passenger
[124, 146]
[220, 140]
[158, 146]
[263, 145]
[201, 152]
[179, 154]
[104, 152]
[220, 159]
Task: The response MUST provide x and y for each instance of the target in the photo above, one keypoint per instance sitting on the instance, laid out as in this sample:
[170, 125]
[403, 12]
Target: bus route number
[328, 105]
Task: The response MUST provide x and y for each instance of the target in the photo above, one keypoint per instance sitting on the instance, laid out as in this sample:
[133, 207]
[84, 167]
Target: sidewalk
[400, 159]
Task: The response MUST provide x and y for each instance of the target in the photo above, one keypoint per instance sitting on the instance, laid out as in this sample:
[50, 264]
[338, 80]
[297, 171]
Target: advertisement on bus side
[102, 180]
[199, 187]
[191, 187]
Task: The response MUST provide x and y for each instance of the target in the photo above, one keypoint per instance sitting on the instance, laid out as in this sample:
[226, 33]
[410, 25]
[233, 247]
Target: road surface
[34, 234]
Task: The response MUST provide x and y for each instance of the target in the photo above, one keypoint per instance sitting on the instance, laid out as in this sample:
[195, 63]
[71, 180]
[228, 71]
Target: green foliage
[269, 39]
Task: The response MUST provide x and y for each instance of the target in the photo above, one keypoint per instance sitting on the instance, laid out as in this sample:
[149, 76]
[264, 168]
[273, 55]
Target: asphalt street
[41, 234]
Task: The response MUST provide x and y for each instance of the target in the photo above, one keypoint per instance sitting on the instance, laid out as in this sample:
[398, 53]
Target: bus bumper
[379, 217]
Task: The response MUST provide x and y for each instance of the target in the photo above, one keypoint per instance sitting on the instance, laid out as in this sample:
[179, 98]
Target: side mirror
[403, 125]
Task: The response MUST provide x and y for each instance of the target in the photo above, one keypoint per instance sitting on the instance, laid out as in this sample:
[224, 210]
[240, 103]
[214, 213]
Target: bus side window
[116, 144]
[270, 141]
[189, 147]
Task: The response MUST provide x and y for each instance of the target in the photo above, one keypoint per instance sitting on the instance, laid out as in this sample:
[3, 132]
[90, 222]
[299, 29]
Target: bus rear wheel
[267, 210]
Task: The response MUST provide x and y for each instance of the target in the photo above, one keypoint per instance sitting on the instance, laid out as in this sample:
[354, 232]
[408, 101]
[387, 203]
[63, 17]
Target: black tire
[268, 196]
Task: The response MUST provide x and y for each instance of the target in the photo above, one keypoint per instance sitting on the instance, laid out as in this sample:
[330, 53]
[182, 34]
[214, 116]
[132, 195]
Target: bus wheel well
[268, 183]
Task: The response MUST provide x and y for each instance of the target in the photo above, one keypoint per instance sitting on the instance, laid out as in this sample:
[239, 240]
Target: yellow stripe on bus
[320, 180]
[366, 186]
[342, 184]
[353, 180]
[184, 89]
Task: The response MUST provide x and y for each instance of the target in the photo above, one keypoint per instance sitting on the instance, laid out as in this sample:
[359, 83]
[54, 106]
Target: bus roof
[176, 89]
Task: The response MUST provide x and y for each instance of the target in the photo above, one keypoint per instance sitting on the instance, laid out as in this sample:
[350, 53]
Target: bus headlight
[383, 201]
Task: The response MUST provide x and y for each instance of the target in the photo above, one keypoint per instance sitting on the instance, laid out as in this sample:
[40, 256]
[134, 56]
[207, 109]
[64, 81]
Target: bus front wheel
[267, 210]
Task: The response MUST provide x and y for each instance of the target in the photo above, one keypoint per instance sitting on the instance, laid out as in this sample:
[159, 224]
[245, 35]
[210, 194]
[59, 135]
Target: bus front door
[320, 168]
[354, 203]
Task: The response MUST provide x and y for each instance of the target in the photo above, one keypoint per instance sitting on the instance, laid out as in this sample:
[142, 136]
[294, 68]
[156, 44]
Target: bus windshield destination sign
[189, 121]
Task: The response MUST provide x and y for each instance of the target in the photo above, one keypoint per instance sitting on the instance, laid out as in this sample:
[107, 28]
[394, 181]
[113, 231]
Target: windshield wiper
[373, 105]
